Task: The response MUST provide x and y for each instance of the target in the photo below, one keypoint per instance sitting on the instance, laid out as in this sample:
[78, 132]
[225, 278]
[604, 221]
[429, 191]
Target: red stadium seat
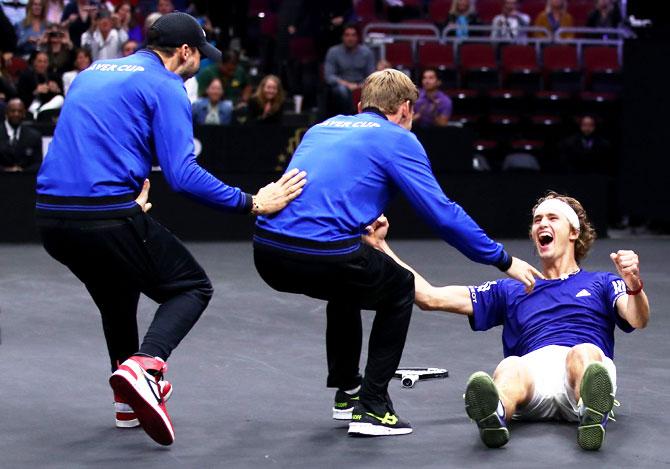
[561, 68]
[532, 8]
[477, 56]
[601, 58]
[303, 49]
[602, 69]
[478, 66]
[400, 54]
[438, 10]
[580, 11]
[520, 67]
[488, 9]
[508, 101]
[365, 10]
[440, 57]
[436, 55]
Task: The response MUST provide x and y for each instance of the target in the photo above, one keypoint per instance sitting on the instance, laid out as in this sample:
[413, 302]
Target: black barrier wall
[499, 202]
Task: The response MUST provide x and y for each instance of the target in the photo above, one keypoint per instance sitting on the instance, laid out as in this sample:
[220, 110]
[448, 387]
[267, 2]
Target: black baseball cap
[175, 29]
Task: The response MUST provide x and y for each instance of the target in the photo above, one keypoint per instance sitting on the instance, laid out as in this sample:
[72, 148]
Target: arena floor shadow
[250, 378]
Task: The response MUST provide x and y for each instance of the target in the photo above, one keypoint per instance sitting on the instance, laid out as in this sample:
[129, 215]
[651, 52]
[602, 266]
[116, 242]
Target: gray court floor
[250, 378]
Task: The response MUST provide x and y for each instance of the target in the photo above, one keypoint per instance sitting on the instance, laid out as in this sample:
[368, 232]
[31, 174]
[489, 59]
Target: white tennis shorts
[553, 398]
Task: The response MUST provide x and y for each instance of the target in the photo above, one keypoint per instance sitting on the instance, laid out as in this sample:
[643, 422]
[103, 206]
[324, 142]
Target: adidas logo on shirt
[582, 293]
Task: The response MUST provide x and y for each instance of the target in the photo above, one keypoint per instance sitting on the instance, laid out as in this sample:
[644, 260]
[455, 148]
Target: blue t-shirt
[355, 165]
[578, 309]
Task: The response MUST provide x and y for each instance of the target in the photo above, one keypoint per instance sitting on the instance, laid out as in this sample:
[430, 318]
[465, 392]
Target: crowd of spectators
[44, 44]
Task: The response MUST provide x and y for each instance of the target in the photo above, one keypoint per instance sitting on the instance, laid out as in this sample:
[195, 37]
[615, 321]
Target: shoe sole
[152, 419]
[134, 423]
[368, 429]
[343, 414]
[598, 399]
[481, 403]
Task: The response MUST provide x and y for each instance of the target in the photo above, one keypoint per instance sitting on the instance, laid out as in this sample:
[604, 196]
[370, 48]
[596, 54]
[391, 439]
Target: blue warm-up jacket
[354, 165]
[118, 116]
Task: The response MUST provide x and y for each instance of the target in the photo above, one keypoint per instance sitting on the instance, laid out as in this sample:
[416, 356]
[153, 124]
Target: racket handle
[408, 381]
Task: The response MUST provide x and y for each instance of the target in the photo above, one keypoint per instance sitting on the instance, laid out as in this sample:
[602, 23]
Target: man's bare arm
[452, 299]
[633, 308]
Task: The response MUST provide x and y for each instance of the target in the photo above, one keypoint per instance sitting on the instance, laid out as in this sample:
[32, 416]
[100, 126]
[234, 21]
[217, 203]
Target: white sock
[351, 392]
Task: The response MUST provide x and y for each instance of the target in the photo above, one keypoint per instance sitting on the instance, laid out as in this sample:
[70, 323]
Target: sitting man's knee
[591, 351]
[511, 364]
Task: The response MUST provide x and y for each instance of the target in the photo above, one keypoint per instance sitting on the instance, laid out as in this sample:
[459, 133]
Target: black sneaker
[366, 423]
[344, 405]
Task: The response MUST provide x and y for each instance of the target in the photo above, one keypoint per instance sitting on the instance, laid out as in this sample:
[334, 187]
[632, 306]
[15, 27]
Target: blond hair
[387, 89]
[587, 235]
[454, 7]
[277, 101]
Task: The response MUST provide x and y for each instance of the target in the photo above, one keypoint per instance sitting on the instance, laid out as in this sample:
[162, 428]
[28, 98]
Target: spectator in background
[32, 28]
[82, 61]
[433, 108]
[266, 106]
[164, 7]
[213, 110]
[39, 89]
[105, 40]
[15, 11]
[128, 48]
[59, 49]
[605, 15]
[124, 18]
[586, 151]
[54, 9]
[78, 16]
[462, 15]
[382, 64]
[233, 76]
[20, 145]
[555, 16]
[507, 24]
[7, 88]
[347, 66]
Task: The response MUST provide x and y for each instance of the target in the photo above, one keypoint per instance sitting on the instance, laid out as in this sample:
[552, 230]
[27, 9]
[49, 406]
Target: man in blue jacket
[356, 163]
[118, 116]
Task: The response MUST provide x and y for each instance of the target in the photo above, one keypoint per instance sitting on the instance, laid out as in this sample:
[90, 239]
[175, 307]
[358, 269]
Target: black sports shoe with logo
[368, 423]
[344, 404]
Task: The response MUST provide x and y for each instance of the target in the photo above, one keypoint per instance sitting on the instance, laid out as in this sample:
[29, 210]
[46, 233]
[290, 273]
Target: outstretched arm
[633, 308]
[452, 299]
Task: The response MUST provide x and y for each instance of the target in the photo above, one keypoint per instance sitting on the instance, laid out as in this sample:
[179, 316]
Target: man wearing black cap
[118, 116]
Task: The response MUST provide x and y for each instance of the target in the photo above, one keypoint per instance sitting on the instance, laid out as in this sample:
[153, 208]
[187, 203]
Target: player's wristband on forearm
[505, 262]
[634, 292]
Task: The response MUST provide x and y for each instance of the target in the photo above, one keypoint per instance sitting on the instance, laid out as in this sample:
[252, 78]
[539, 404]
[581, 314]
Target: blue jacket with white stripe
[354, 165]
[118, 116]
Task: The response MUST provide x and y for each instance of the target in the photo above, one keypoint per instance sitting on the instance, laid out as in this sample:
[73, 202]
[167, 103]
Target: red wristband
[634, 292]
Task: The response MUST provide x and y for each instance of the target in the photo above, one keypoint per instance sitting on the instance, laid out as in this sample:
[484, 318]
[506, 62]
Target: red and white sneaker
[125, 415]
[137, 383]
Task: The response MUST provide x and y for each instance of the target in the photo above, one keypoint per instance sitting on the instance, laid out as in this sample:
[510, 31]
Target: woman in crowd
[124, 18]
[82, 61]
[32, 28]
[462, 15]
[39, 89]
[605, 15]
[555, 16]
[211, 109]
[266, 105]
[57, 45]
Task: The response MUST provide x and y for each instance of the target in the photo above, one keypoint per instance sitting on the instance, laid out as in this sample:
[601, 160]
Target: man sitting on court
[558, 340]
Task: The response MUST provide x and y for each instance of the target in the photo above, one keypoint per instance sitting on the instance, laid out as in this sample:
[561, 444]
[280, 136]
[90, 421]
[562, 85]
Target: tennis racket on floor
[409, 375]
